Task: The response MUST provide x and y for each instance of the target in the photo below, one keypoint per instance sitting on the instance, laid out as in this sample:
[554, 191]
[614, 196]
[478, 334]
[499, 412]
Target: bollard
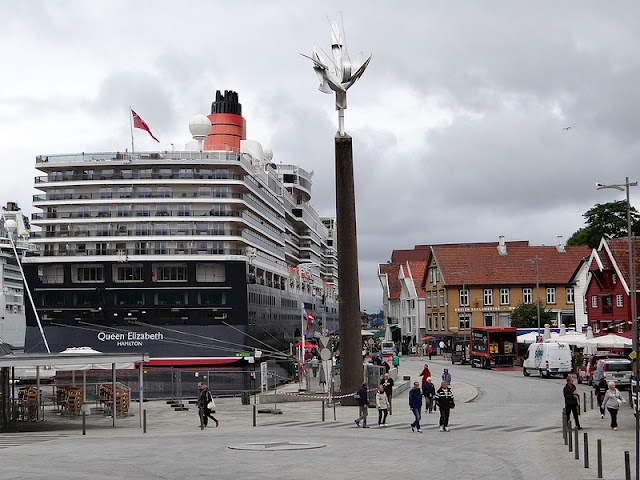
[576, 447]
[323, 410]
[599, 453]
[144, 421]
[591, 399]
[334, 410]
[584, 402]
[84, 423]
[586, 450]
[627, 466]
[569, 429]
[254, 415]
[564, 428]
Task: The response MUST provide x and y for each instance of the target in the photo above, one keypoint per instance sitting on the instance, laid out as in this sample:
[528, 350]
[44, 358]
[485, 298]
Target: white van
[548, 359]
[616, 370]
[388, 347]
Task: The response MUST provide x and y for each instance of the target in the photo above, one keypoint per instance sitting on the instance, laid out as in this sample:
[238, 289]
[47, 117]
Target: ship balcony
[143, 251]
[55, 197]
[115, 233]
[58, 179]
[148, 216]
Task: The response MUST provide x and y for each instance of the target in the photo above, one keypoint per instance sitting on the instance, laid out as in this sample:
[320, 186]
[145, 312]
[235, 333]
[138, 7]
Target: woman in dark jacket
[601, 389]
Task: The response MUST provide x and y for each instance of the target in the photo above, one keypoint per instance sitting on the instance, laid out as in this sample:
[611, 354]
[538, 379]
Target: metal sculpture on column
[339, 81]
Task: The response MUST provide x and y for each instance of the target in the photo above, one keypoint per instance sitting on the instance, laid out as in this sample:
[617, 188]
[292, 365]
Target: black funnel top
[227, 103]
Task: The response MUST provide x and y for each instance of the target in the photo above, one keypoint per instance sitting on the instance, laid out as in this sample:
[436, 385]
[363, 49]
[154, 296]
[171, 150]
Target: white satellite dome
[11, 225]
[268, 154]
[200, 126]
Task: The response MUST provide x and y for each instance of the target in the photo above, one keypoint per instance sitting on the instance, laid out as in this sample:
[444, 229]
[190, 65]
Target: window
[126, 192]
[442, 321]
[81, 249]
[107, 174]
[206, 173]
[106, 192]
[161, 229]
[140, 248]
[429, 298]
[83, 230]
[127, 273]
[164, 192]
[570, 295]
[202, 228]
[68, 193]
[489, 319]
[83, 212]
[170, 297]
[126, 174]
[222, 173]
[87, 273]
[102, 230]
[464, 321]
[488, 296]
[142, 229]
[87, 299]
[123, 210]
[217, 248]
[504, 296]
[201, 247]
[221, 192]
[182, 229]
[160, 248]
[464, 297]
[619, 301]
[211, 297]
[52, 299]
[102, 249]
[504, 319]
[204, 191]
[429, 322]
[551, 295]
[162, 210]
[164, 173]
[142, 210]
[594, 301]
[527, 295]
[441, 295]
[128, 298]
[51, 274]
[87, 174]
[614, 278]
[218, 210]
[186, 173]
[184, 210]
[144, 192]
[210, 272]
[170, 273]
[103, 211]
[145, 173]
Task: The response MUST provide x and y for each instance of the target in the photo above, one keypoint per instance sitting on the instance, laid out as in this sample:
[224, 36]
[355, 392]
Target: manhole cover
[273, 446]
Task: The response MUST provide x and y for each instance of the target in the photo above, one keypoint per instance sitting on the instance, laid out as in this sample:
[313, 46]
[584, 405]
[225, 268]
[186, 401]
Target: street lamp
[632, 296]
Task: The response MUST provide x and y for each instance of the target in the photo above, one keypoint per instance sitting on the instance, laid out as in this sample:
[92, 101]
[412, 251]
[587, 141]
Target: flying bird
[566, 128]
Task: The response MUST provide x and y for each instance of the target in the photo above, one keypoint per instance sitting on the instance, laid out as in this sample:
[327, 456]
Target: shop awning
[381, 332]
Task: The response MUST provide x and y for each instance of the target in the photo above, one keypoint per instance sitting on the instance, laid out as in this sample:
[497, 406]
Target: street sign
[325, 354]
[633, 355]
[324, 341]
[243, 354]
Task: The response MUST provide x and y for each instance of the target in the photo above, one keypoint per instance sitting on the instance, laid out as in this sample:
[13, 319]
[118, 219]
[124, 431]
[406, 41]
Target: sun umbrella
[609, 341]
[429, 337]
[307, 345]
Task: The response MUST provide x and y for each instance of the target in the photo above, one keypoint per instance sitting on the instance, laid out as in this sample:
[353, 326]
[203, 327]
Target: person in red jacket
[426, 373]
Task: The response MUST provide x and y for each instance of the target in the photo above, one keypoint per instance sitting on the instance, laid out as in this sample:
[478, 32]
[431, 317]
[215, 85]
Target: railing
[144, 251]
[137, 176]
[116, 196]
[136, 214]
[139, 233]
[231, 154]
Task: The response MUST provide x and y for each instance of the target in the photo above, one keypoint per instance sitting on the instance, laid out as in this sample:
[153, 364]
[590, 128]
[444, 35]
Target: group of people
[607, 395]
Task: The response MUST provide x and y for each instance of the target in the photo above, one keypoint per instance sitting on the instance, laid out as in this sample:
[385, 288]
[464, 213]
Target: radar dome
[11, 226]
[268, 154]
[200, 126]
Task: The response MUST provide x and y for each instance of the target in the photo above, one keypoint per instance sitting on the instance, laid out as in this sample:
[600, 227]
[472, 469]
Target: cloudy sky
[457, 122]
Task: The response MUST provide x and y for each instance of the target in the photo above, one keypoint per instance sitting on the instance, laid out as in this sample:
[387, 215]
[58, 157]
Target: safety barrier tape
[323, 397]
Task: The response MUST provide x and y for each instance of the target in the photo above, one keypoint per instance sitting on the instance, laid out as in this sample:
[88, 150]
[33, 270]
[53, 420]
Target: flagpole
[131, 126]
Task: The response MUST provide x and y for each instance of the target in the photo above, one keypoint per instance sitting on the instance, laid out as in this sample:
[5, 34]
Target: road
[511, 430]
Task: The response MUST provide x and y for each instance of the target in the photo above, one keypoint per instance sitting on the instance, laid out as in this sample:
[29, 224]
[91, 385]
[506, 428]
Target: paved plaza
[504, 426]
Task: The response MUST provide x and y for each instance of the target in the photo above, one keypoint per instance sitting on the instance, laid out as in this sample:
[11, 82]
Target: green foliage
[608, 219]
[525, 315]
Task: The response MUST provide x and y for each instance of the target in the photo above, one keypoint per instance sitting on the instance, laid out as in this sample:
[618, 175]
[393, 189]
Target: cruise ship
[12, 297]
[212, 250]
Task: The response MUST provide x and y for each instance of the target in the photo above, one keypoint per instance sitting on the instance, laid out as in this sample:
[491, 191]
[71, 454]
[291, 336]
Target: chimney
[502, 246]
[560, 244]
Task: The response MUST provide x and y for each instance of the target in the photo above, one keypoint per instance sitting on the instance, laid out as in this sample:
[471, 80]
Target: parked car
[548, 359]
[588, 366]
[618, 370]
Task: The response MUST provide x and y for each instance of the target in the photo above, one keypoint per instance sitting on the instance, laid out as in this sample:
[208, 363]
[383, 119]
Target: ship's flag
[139, 123]
[307, 316]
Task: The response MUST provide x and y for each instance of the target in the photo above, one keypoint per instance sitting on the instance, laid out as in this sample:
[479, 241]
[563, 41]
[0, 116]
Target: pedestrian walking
[612, 401]
[387, 382]
[571, 401]
[205, 405]
[420, 351]
[444, 399]
[396, 360]
[429, 393]
[314, 365]
[442, 347]
[363, 405]
[601, 389]
[382, 404]
[426, 373]
[415, 405]
[446, 376]
[430, 351]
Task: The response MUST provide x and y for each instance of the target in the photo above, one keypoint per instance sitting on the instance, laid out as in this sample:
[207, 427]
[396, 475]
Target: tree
[525, 315]
[608, 219]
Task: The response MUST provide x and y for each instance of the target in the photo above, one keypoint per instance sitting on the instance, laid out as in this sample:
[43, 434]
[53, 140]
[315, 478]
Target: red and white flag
[139, 123]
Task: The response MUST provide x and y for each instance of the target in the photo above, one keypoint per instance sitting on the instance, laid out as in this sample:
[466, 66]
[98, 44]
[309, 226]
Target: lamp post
[632, 296]
[536, 260]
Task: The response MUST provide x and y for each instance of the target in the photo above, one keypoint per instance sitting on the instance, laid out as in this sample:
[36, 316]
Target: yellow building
[479, 284]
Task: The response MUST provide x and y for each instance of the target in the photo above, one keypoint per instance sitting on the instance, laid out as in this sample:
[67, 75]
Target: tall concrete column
[351, 373]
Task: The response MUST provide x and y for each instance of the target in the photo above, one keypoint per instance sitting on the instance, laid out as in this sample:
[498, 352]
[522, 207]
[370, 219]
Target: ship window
[140, 248]
[83, 212]
[103, 211]
[52, 274]
[222, 173]
[221, 192]
[182, 229]
[210, 272]
[186, 173]
[160, 248]
[164, 192]
[128, 298]
[52, 299]
[205, 173]
[204, 191]
[165, 173]
[126, 192]
[127, 273]
[107, 174]
[161, 229]
[87, 273]
[162, 210]
[170, 297]
[217, 248]
[142, 210]
[126, 174]
[169, 273]
[85, 299]
[123, 210]
[184, 210]
[142, 229]
[144, 192]
[55, 176]
[106, 192]
[211, 297]
[145, 173]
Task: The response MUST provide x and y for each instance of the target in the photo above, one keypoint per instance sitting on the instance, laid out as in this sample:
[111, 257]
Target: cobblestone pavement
[504, 426]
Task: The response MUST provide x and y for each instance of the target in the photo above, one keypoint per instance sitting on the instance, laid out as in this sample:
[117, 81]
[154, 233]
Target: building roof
[391, 270]
[484, 265]
[419, 252]
[619, 248]
[413, 270]
[417, 271]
